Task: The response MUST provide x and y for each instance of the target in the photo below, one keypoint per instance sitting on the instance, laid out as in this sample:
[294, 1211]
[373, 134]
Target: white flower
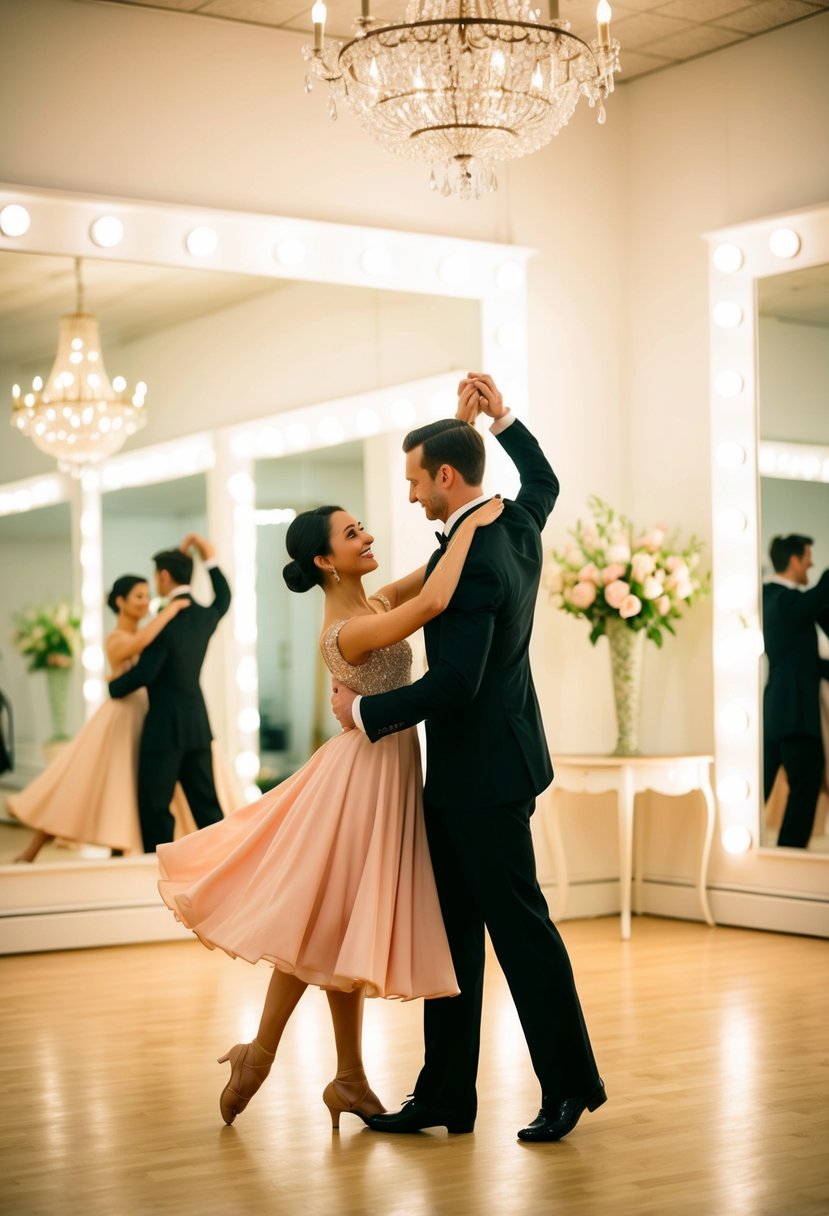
[553, 578]
[652, 588]
[573, 554]
[619, 552]
[643, 564]
[663, 605]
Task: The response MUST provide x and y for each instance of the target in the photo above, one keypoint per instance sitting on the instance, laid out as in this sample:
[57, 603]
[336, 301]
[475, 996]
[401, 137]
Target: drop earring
[336, 576]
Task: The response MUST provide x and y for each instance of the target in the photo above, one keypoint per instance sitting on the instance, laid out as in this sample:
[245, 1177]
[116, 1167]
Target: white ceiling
[654, 34]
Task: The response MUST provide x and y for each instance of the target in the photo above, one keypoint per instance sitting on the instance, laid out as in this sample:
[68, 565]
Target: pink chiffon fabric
[328, 875]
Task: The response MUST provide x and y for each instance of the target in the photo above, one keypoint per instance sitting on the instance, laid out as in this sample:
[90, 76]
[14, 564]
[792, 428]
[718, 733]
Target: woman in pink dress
[89, 792]
[328, 876]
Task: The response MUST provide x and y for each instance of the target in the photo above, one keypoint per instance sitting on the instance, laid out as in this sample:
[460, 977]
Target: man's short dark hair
[451, 442]
[783, 548]
[177, 564]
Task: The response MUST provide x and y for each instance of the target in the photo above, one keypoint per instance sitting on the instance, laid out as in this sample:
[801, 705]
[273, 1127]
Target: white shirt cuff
[355, 713]
[501, 424]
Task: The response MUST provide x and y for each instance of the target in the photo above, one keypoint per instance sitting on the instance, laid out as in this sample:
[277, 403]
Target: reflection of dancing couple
[328, 876]
[138, 766]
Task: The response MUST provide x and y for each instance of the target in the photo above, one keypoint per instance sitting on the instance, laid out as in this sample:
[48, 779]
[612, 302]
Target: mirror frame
[39, 914]
[735, 490]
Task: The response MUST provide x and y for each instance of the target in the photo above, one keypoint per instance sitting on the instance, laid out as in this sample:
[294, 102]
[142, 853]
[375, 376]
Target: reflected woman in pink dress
[88, 793]
[328, 876]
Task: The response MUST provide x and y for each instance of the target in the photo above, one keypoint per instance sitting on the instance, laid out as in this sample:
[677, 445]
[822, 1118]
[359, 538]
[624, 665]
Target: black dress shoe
[559, 1116]
[414, 1116]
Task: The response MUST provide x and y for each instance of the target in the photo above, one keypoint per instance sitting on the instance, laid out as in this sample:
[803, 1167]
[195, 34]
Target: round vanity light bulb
[368, 422]
[784, 243]
[93, 690]
[331, 431]
[736, 839]
[14, 220]
[734, 720]
[248, 720]
[727, 258]
[106, 231]
[732, 593]
[730, 455]
[727, 314]
[290, 251]
[119, 384]
[733, 789]
[453, 270]
[732, 521]
[247, 765]
[729, 383]
[510, 336]
[202, 241]
[403, 413]
[376, 261]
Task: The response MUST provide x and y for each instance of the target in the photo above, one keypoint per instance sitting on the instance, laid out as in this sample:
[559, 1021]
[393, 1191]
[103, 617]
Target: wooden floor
[712, 1043]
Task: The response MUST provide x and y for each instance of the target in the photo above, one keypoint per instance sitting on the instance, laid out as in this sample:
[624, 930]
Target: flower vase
[626, 648]
[57, 686]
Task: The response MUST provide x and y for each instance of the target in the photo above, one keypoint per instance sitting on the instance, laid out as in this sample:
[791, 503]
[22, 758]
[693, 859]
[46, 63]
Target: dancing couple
[349, 876]
[143, 768]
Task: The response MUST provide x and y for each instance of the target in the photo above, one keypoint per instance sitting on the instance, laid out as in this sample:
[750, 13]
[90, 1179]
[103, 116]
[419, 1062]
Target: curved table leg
[552, 834]
[710, 819]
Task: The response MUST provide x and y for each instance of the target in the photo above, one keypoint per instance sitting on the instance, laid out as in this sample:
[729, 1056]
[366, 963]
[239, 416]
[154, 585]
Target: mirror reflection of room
[794, 556]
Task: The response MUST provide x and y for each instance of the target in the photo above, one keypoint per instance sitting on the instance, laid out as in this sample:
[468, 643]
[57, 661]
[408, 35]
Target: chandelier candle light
[78, 417]
[464, 84]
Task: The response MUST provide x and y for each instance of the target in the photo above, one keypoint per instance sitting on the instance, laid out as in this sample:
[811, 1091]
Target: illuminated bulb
[537, 80]
[454, 270]
[368, 422]
[732, 593]
[331, 430]
[248, 720]
[497, 61]
[734, 720]
[417, 79]
[727, 258]
[509, 276]
[373, 70]
[241, 487]
[119, 384]
[730, 455]
[37, 383]
[16, 391]
[510, 336]
[319, 13]
[729, 383]
[733, 789]
[376, 261]
[14, 220]
[93, 691]
[290, 251]
[727, 314]
[106, 231]
[784, 243]
[246, 675]
[202, 241]
[247, 765]
[736, 839]
[29, 399]
[732, 521]
[402, 413]
[93, 658]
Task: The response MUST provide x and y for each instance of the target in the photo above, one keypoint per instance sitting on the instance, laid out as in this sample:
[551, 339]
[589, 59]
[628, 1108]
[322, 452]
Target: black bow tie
[443, 540]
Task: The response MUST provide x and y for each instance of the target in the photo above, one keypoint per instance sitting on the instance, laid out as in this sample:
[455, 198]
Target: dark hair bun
[121, 589]
[296, 579]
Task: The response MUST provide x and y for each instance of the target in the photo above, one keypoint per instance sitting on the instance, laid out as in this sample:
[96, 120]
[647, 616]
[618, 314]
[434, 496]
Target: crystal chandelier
[464, 84]
[78, 417]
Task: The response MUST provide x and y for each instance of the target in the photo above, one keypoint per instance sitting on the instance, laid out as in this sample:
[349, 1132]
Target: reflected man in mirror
[175, 742]
[792, 614]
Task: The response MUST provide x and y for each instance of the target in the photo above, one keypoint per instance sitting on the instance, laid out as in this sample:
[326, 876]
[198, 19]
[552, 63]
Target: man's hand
[342, 700]
[205, 549]
[481, 392]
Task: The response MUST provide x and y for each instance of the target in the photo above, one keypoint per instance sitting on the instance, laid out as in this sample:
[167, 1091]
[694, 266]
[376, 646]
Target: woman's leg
[34, 846]
[349, 1092]
[250, 1063]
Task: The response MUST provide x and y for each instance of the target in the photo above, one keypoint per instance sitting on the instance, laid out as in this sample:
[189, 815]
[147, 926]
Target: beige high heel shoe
[250, 1064]
[350, 1094]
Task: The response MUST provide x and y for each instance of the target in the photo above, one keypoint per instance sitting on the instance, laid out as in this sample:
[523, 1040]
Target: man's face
[425, 489]
[163, 585]
[799, 567]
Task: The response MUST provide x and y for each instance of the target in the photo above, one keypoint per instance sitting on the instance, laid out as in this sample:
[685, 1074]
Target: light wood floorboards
[712, 1043]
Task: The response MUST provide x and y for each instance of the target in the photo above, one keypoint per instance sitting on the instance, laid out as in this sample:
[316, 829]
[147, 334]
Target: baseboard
[741, 908]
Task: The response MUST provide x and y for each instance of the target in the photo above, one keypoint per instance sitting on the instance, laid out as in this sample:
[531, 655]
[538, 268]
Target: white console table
[627, 776]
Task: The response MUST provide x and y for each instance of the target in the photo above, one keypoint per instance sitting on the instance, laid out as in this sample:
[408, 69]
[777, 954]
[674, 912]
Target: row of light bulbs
[376, 260]
[734, 719]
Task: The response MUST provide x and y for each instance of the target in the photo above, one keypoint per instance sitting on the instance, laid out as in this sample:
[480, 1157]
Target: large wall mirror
[769, 313]
[283, 369]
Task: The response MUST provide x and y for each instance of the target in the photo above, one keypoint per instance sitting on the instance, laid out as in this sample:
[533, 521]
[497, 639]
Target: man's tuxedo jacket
[791, 702]
[485, 738]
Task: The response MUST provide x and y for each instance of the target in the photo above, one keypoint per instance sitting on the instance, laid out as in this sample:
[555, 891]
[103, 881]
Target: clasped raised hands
[479, 394]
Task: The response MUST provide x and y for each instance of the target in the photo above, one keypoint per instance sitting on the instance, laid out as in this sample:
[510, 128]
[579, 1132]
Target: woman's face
[136, 603]
[350, 546]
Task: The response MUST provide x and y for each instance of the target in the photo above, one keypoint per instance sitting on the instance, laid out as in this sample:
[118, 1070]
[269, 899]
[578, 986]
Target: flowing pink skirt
[328, 876]
[89, 793]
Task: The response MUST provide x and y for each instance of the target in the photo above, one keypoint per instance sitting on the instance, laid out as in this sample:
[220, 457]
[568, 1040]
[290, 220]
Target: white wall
[794, 381]
[618, 324]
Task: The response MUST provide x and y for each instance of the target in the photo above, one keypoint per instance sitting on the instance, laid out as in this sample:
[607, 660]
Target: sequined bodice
[383, 670]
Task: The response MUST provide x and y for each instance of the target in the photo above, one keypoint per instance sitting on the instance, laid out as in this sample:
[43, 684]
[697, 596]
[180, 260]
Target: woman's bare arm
[362, 634]
[405, 588]
[122, 646]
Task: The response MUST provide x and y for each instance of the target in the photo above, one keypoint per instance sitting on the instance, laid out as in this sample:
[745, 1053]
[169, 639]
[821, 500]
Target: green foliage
[47, 635]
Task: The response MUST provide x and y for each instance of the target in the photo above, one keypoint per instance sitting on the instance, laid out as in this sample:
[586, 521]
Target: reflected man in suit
[487, 759]
[791, 702]
[175, 742]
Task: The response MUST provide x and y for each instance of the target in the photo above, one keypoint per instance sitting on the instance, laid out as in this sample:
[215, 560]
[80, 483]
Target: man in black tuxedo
[175, 742]
[791, 702]
[487, 760]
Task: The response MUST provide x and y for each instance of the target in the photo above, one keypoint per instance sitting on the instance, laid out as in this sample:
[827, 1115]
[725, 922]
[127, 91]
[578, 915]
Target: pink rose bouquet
[610, 570]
